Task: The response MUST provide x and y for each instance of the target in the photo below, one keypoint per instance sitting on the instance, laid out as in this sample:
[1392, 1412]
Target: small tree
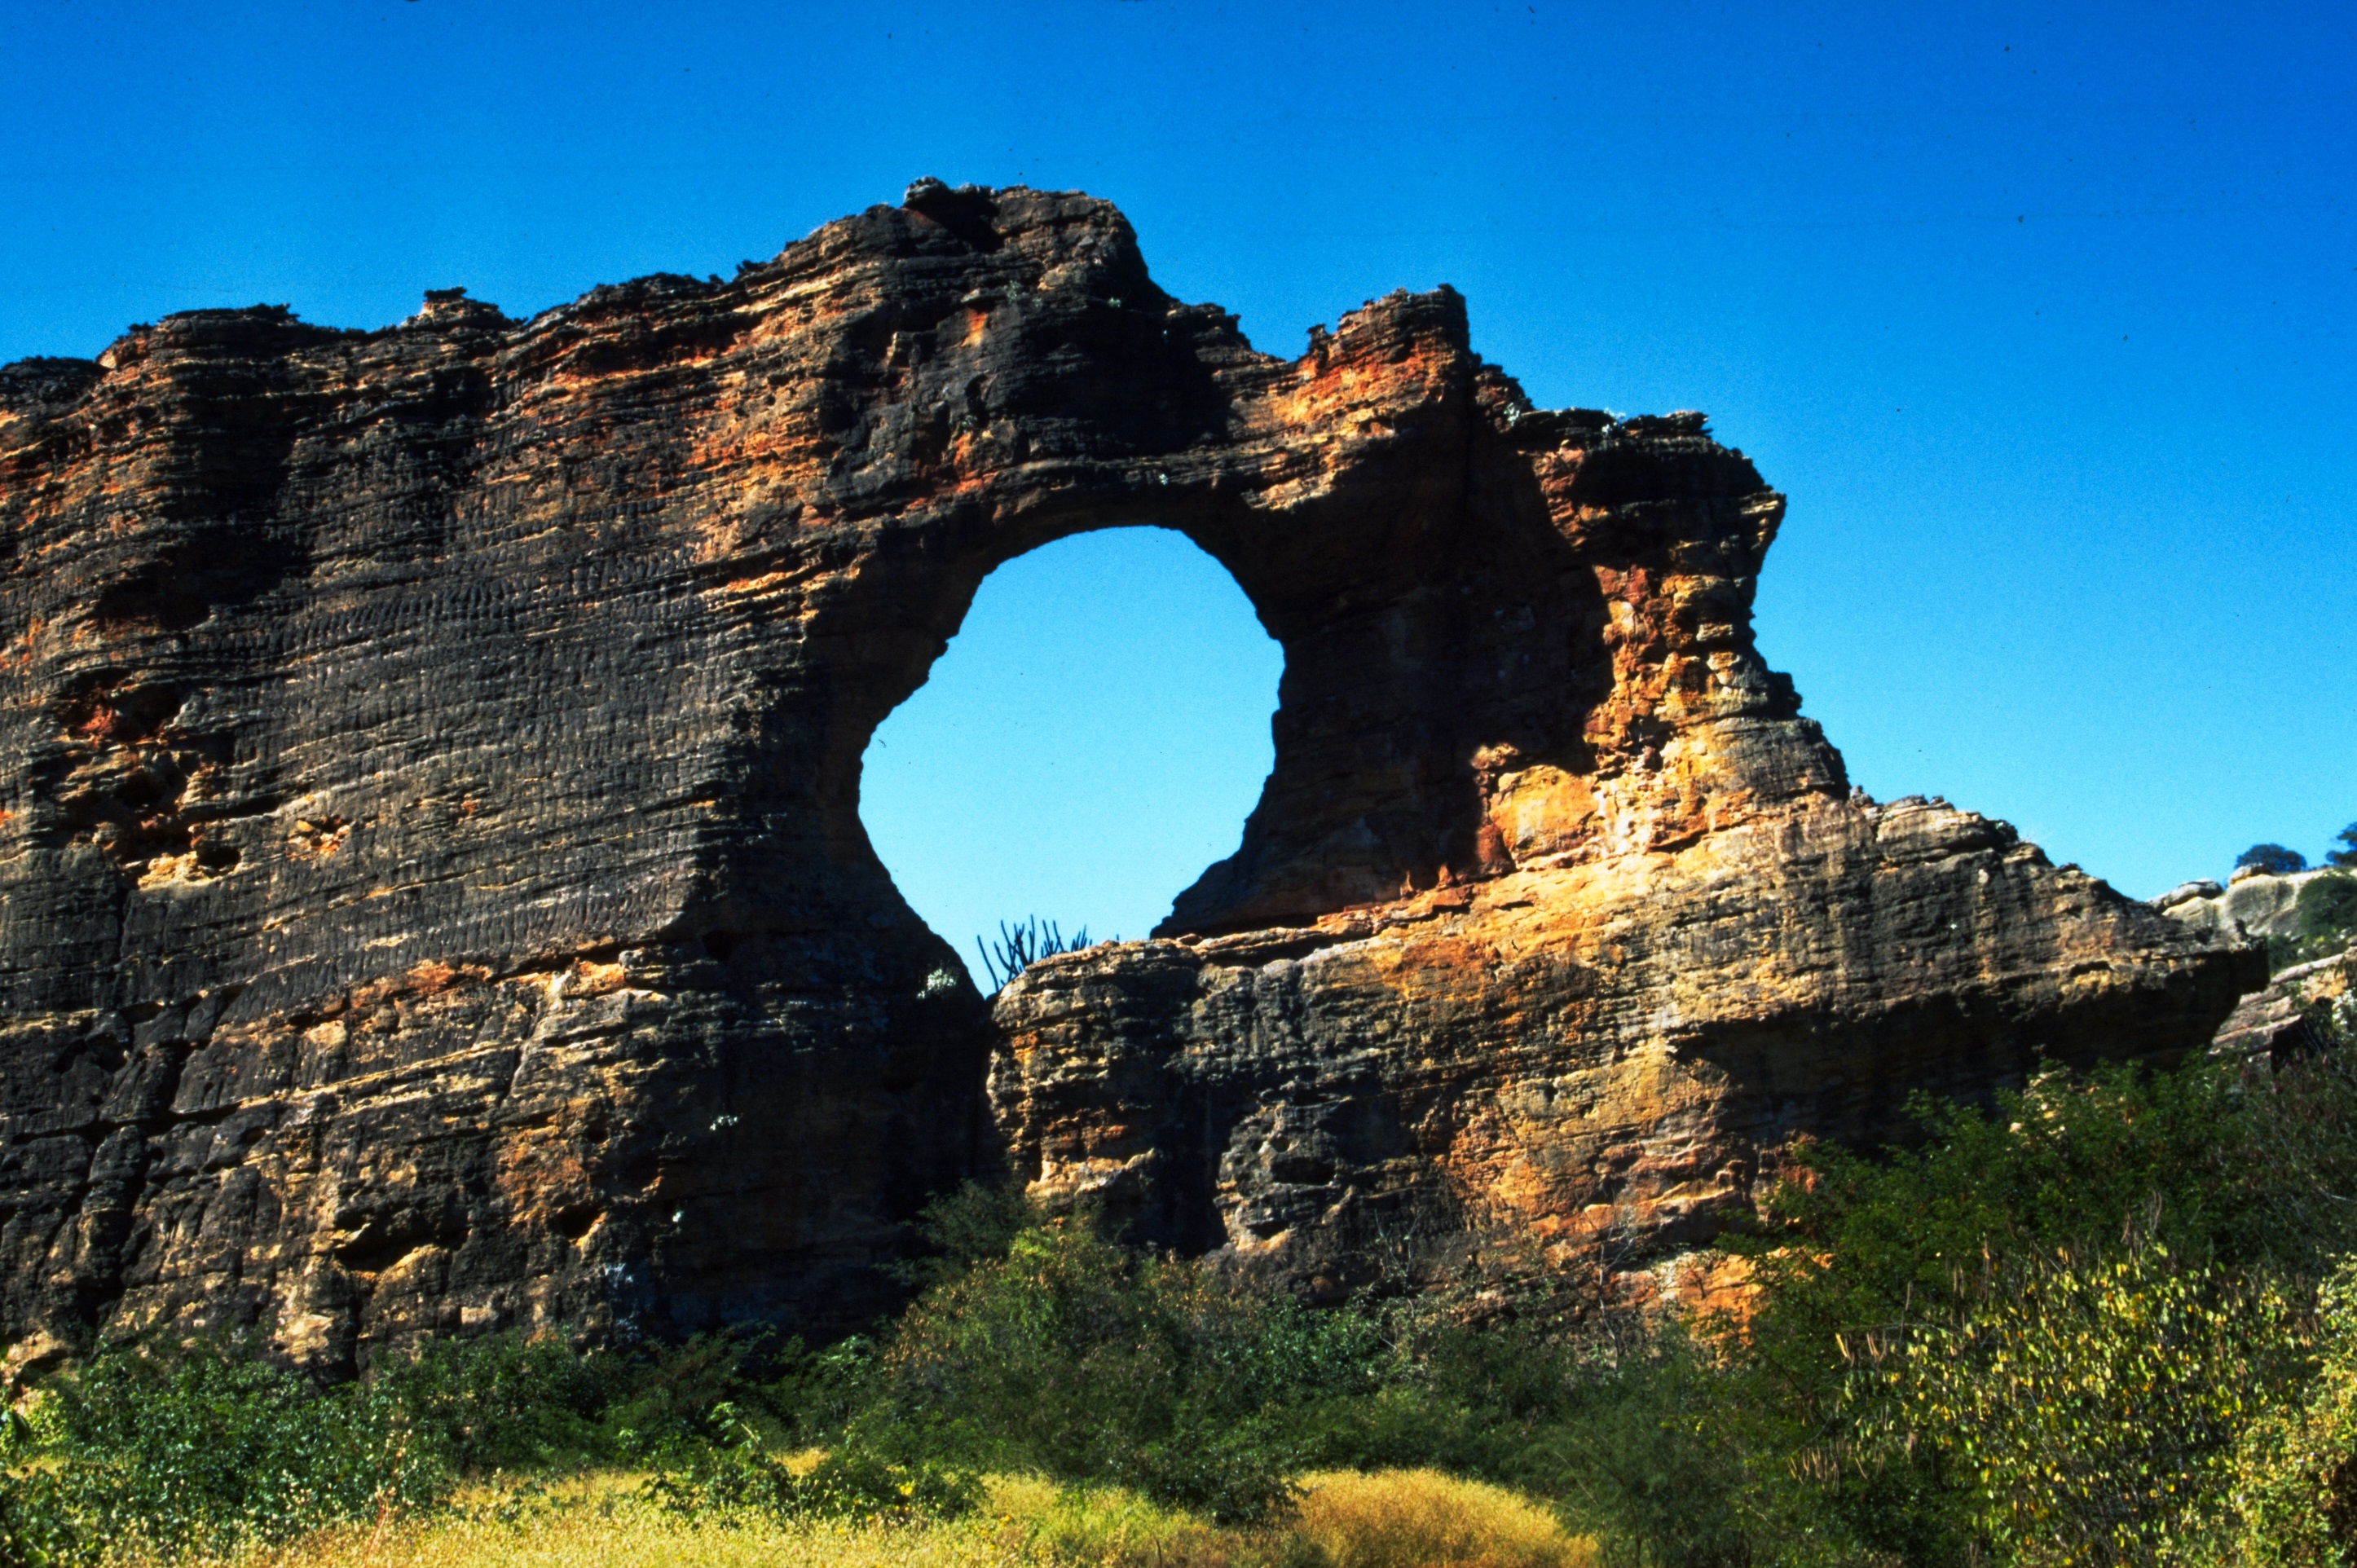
[2346, 854]
[2272, 858]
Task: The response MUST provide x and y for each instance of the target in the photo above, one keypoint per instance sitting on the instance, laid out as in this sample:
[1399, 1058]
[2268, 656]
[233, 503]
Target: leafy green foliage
[1070, 1356]
[2272, 858]
[2328, 909]
[741, 1476]
[2076, 1324]
[2346, 855]
[2092, 1405]
[2293, 1502]
[2327, 924]
[205, 1450]
[1042, 1347]
[2237, 1173]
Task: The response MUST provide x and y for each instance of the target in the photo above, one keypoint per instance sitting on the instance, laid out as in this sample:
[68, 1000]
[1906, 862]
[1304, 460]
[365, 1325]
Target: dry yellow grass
[640, 1538]
[1392, 1519]
[1422, 1519]
[1110, 1525]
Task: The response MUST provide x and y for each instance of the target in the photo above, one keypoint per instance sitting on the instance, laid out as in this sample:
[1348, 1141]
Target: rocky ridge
[432, 898]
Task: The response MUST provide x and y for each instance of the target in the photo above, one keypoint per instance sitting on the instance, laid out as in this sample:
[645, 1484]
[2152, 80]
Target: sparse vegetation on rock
[2273, 859]
[1021, 946]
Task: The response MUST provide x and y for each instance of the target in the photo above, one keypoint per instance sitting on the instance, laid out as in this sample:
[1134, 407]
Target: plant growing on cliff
[2272, 858]
[2346, 855]
[2327, 923]
[1023, 945]
[2327, 910]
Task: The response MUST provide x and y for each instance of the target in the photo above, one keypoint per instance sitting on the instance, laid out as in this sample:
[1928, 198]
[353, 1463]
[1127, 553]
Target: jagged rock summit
[434, 897]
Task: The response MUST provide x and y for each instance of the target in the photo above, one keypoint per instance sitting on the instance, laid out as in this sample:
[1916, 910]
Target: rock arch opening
[1090, 742]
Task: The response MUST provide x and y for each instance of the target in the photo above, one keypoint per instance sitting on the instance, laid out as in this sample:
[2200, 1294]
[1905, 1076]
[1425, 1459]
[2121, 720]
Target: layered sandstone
[434, 893]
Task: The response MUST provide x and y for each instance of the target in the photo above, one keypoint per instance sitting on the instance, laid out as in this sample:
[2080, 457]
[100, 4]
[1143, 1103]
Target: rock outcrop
[432, 891]
[2255, 906]
[2282, 1019]
[1600, 1052]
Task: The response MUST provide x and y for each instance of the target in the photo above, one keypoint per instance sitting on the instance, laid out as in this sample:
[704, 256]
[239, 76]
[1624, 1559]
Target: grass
[1399, 1518]
[1422, 1519]
[639, 1538]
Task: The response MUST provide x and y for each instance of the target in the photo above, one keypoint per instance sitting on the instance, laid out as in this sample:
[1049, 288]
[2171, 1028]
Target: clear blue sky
[2042, 317]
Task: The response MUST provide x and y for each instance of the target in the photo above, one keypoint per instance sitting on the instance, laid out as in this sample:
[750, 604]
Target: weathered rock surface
[2277, 1021]
[2255, 906]
[1604, 1052]
[432, 892]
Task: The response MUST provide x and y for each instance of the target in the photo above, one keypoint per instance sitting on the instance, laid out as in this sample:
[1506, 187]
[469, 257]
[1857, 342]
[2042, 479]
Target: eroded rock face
[1601, 1055]
[434, 895]
[2258, 904]
[2280, 1021]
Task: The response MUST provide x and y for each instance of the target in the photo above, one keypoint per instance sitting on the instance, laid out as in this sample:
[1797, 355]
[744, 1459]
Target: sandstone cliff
[434, 897]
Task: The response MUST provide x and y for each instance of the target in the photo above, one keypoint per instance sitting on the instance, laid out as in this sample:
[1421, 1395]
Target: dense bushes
[164, 1450]
[2082, 1327]
[2328, 909]
[2068, 1225]
[1067, 1356]
[201, 1451]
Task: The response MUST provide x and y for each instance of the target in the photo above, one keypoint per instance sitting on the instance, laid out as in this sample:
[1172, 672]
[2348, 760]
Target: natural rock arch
[1091, 741]
[434, 895]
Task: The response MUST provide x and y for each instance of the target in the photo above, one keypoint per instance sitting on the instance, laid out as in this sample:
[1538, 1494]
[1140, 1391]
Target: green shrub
[208, 1448]
[2235, 1170]
[2092, 1405]
[38, 1525]
[2327, 910]
[2293, 1501]
[1073, 1357]
[742, 1477]
[204, 1450]
[505, 1402]
[521, 1401]
[1957, 1353]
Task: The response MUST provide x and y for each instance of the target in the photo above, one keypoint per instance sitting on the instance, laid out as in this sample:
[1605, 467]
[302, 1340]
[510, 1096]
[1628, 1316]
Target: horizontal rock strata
[1596, 1058]
[432, 891]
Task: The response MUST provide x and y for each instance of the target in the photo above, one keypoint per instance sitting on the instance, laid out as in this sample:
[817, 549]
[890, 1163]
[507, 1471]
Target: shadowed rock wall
[433, 897]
